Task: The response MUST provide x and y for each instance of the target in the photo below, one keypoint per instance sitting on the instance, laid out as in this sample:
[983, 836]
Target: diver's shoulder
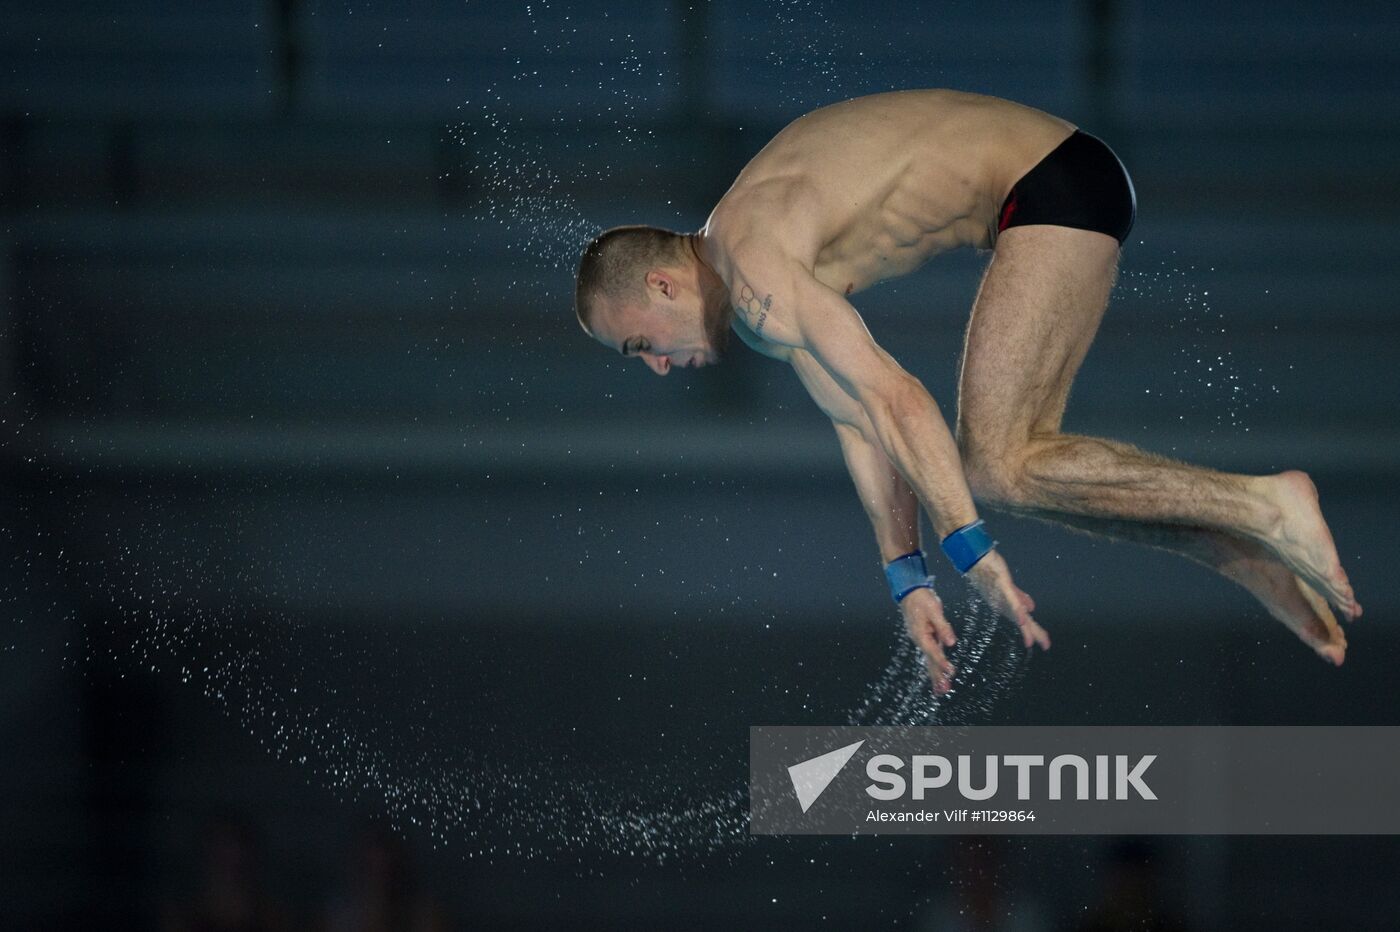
[739, 255]
[767, 217]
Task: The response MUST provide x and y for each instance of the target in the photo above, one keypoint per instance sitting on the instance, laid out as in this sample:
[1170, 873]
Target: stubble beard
[716, 326]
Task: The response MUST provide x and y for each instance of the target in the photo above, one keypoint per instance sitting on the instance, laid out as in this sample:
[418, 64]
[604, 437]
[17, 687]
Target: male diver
[869, 189]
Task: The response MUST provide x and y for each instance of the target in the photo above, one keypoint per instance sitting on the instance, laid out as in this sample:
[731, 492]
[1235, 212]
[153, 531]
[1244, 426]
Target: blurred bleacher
[281, 191]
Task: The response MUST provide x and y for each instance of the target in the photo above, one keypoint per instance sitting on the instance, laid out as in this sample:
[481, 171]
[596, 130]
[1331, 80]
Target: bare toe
[1321, 631]
[1333, 653]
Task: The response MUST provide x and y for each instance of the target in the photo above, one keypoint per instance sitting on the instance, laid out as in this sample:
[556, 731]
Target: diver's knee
[995, 474]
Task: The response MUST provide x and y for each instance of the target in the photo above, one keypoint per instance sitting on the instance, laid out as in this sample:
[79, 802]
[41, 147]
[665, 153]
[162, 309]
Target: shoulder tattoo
[753, 309]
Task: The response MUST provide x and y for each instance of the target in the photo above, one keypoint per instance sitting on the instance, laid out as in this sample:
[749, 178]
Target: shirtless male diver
[868, 189]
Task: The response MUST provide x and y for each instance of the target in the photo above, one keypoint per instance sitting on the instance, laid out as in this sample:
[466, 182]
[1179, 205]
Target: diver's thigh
[1036, 313]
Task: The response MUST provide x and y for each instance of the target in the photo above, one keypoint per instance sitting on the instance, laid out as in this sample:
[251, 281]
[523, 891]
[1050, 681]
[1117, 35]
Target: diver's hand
[929, 630]
[992, 579]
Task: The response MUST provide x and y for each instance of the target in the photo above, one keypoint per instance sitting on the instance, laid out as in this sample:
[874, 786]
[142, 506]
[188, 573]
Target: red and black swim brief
[1081, 184]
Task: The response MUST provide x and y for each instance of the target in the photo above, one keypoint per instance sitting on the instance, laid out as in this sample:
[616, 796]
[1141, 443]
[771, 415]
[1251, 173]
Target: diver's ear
[662, 282]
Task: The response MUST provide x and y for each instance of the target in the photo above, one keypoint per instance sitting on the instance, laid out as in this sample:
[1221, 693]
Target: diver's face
[660, 338]
[666, 332]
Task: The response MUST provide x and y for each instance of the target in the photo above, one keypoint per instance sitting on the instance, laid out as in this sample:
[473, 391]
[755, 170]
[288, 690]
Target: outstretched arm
[892, 507]
[894, 513]
[780, 300]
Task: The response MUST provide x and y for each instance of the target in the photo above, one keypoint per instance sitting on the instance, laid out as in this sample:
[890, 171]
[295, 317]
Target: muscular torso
[870, 188]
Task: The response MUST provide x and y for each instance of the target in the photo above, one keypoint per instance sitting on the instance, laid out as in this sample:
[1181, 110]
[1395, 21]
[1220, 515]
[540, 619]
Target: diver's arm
[889, 502]
[892, 507]
[781, 301]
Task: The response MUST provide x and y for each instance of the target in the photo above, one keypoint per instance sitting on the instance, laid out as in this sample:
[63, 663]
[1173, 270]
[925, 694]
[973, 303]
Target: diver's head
[644, 292]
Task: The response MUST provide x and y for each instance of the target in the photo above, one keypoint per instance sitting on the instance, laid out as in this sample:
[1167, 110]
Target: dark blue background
[318, 508]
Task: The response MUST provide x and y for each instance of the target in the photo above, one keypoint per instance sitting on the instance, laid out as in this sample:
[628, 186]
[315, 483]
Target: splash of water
[254, 663]
[1204, 373]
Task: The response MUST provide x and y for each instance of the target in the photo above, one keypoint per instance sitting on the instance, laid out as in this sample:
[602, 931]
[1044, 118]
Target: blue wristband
[967, 545]
[907, 573]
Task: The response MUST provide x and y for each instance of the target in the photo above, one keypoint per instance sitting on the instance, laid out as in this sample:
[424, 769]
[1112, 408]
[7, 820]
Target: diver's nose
[659, 364]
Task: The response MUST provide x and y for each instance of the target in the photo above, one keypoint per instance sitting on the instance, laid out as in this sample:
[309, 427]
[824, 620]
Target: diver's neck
[713, 291]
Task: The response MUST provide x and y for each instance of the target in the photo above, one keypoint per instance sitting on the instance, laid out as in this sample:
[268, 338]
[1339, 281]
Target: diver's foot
[1302, 541]
[1287, 598]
